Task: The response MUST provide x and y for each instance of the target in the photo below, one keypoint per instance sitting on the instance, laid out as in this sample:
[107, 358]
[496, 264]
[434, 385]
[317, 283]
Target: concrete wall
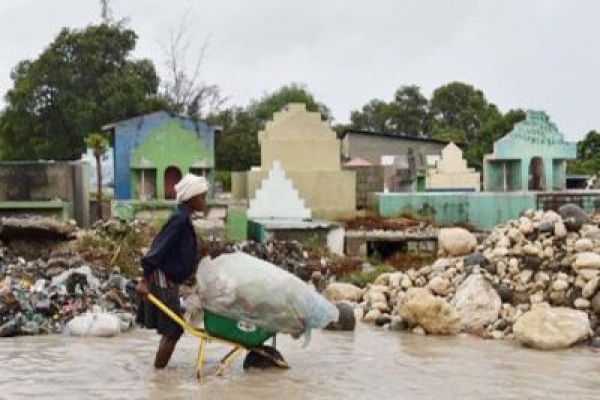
[239, 185]
[31, 181]
[368, 180]
[329, 195]
[482, 210]
[53, 208]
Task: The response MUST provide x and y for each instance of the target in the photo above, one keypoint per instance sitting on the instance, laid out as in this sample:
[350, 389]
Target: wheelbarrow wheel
[264, 357]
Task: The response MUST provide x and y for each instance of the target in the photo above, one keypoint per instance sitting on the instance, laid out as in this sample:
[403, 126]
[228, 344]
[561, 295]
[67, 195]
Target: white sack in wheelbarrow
[246, 288]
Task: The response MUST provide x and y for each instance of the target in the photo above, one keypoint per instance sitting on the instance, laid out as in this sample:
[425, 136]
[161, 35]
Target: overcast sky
[541, 54]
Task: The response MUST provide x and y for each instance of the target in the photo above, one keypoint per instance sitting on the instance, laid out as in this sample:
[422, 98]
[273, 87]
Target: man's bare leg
[164, 352]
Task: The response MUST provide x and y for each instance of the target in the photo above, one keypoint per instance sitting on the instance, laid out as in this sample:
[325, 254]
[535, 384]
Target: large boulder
[583, 245]
[549, 328]
[456, 242]
[587, 260]
[434, 314]
[439, 285]
[339, 291]
[346, 320]
[573, 216]
[477, 302]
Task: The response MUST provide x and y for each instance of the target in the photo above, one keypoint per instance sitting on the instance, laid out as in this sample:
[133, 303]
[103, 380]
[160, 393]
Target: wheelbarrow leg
[200, 359]
[228, 359]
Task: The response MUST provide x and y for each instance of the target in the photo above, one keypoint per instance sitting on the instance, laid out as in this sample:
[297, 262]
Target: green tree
[373, 117]
[409, 111]
[588, 155]
[81, 81]
[98, 144]
[406, 114]
[262, 110]
[236, 145]
[458, 106]
[494, 128]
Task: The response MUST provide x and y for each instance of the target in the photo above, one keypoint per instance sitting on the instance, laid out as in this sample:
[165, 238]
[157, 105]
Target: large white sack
[106, 325]
[95, 323]
[246, 288]
[79, 325]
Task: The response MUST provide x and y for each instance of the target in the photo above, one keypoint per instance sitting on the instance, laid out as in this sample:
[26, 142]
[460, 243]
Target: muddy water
[367, 364]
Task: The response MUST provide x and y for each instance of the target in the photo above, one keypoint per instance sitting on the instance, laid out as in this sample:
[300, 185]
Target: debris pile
[535, 279]
[40, 294]
[115, 243]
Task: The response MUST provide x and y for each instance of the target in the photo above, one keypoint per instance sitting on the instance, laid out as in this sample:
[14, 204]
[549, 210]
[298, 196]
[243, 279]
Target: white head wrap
[189, 186]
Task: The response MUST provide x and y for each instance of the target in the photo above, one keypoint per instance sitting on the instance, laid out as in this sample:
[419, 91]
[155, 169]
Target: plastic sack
[193, 314]
[246, 288]
[61, 279]
[96, 323]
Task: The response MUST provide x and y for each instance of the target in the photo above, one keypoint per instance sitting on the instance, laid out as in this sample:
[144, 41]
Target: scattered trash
[41, 296]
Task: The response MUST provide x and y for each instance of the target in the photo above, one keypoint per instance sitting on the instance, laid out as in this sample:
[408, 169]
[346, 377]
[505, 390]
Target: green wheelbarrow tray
[248, 335]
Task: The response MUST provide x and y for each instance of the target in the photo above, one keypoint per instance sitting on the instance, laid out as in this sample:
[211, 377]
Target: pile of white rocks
[535, 279]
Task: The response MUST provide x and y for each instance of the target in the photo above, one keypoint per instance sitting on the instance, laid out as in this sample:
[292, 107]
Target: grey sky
[522, 53]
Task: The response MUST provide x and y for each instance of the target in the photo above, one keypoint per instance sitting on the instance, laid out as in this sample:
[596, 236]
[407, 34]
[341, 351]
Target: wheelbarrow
[242, 337]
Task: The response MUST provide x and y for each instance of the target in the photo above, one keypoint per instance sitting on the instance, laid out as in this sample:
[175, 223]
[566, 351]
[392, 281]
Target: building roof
[357, 162]
[397, 136]
[156, 113]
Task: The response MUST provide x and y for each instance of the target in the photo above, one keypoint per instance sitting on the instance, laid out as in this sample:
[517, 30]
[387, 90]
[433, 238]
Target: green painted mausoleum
[532, 157]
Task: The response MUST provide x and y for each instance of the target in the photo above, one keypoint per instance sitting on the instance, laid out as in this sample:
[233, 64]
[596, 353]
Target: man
[173, 257]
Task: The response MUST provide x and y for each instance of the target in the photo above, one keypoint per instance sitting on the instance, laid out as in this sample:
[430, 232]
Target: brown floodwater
[366, 364]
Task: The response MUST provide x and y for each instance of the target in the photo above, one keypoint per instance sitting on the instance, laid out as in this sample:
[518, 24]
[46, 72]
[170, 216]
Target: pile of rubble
[40, 294]
[535, 279]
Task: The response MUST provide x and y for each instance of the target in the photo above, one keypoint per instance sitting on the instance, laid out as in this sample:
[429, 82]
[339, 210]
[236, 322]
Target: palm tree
[98, 144]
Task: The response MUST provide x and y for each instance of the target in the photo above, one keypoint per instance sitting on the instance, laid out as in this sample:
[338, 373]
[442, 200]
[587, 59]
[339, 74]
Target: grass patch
[235, 228]
[361, 278]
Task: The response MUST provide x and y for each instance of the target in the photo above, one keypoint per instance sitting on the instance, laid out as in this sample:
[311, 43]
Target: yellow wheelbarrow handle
[206, 338]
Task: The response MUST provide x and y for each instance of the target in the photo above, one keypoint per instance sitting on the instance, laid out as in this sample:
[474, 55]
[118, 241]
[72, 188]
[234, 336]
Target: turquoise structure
[532, 157]
[483, 210]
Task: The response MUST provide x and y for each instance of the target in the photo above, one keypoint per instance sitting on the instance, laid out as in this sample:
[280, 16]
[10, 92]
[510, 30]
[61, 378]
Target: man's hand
[142, 289]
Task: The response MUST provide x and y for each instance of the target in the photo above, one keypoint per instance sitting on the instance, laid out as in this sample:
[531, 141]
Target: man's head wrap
[189, 186]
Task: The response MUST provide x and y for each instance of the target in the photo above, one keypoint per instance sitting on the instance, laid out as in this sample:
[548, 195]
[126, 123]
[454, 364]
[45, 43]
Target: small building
[532, 157]
[308, 152]
[451, 173]
[405, 158]
[278, 212]
[152, 152]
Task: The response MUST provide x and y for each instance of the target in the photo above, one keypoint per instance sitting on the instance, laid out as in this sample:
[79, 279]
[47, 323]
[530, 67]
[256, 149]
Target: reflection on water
[366, 364]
